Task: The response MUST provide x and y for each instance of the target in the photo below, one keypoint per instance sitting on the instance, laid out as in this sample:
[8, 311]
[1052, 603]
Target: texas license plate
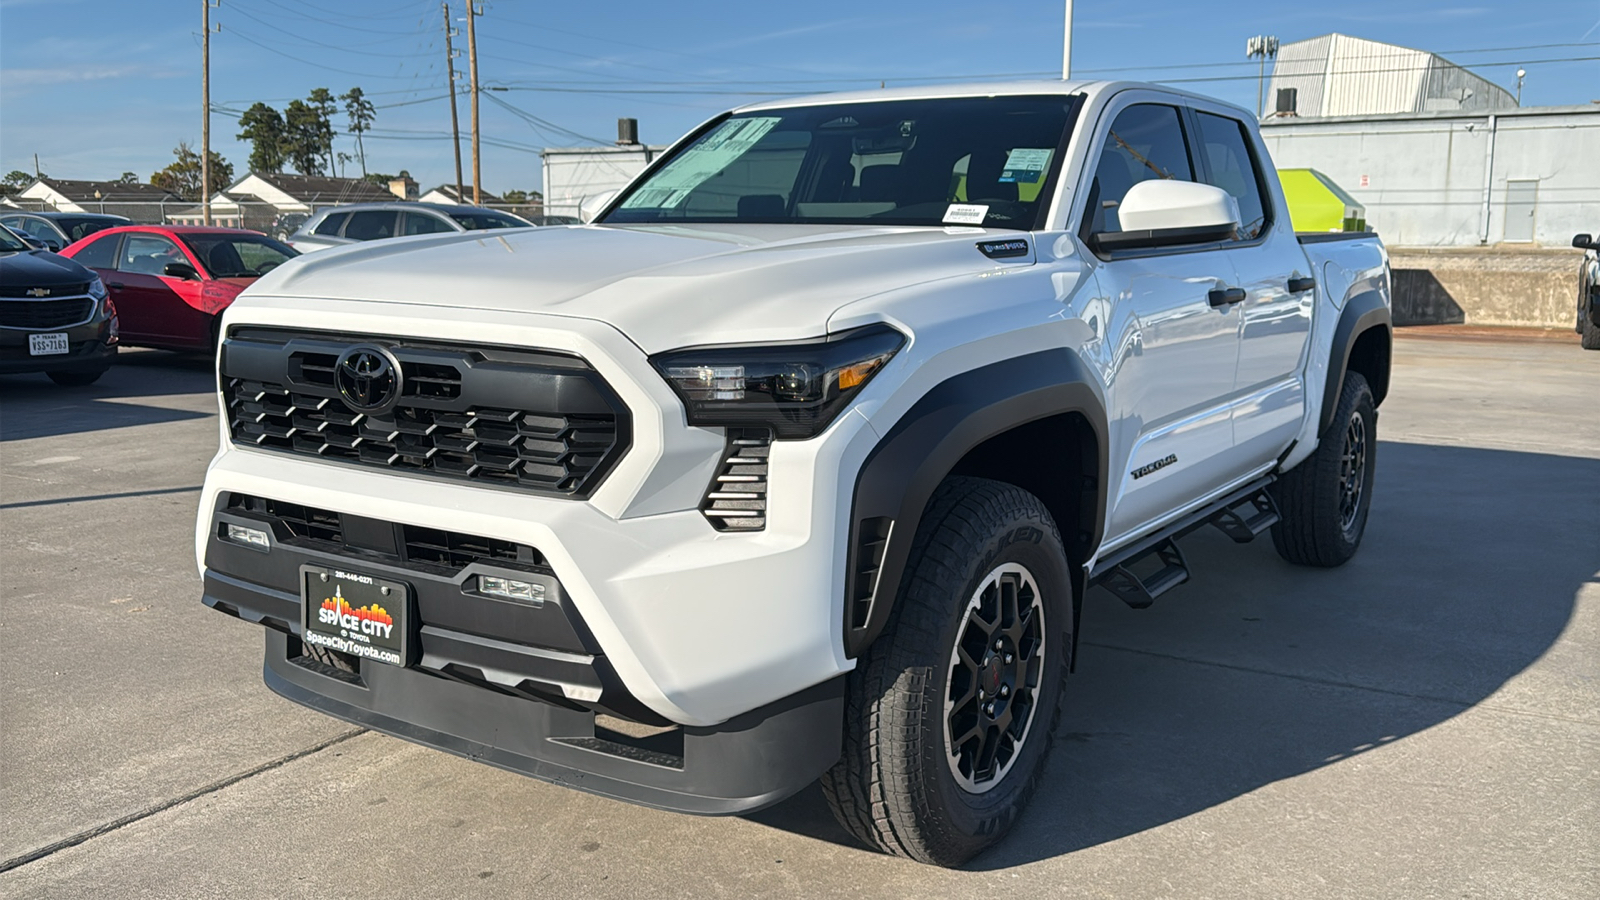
[51, 344]
[359, 614]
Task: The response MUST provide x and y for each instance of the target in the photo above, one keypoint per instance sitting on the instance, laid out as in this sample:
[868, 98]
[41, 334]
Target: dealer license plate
[52, 344]
[359, 614]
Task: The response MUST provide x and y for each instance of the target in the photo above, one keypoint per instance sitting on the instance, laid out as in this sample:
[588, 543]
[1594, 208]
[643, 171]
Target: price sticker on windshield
[1025, 165]
[966, 213]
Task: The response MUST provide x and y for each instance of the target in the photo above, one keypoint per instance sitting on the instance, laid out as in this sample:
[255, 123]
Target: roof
[321, 188]
[106, 190]
[979, 89]
[179, 229]
[52, 215]
[408, 204]
[449, 190]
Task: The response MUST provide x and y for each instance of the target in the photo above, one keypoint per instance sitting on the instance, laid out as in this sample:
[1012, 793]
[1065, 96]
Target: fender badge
[1003, 249]
[1142, 471]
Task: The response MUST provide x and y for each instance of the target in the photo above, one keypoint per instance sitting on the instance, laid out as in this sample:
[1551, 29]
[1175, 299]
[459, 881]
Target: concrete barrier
[1522, 287]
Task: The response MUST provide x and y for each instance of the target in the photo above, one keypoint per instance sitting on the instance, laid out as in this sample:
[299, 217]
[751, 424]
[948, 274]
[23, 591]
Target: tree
[183, 176]
[325, 104]
[361, 113]
[302, 145]
[16, 181]
[128, 178]
[264, 129]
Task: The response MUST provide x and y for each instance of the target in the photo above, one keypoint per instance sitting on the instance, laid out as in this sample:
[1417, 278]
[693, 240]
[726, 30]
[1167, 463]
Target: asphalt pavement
[1423, 722]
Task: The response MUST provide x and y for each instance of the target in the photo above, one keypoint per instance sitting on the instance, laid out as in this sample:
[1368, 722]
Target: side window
[148, 254]
[100, 254]
[1145, 142]
[1233, 168]
[422, 223]
[37, 229]
[371, 225]
[331, 224]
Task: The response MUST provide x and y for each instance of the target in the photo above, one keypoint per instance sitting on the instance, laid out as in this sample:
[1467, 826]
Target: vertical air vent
[737, 500]
[872, 536]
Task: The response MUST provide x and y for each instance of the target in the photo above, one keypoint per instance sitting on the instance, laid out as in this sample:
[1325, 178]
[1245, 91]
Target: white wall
[1425, 173]
[571, 175]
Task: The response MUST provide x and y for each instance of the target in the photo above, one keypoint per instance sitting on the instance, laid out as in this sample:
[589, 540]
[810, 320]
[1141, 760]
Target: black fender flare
[1362, 313]
[899, 476]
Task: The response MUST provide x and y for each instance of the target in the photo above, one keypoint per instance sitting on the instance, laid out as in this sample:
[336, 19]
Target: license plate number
[359, 614]
[52, 344]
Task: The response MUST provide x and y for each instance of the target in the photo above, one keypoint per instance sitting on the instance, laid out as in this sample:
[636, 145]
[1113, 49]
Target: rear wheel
[76, 379]
[950, 712]
[1323, 501]
[1590, 332]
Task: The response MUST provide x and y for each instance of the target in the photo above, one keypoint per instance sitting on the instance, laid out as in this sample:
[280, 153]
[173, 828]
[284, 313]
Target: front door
[151, 305]
[1173, 375]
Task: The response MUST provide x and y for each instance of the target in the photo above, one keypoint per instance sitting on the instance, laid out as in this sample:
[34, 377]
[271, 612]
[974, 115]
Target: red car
[170, 283]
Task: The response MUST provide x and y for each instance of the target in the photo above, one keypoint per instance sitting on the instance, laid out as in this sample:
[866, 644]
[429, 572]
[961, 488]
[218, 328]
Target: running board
[1241, 514]
[1244, 521]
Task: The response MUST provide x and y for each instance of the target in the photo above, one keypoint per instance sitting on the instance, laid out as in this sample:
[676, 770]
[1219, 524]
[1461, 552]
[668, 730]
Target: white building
[1340, 75]
[575, 174]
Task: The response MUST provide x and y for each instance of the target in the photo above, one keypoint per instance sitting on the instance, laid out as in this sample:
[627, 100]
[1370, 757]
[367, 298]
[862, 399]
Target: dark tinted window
[100, 253]
[148, 254]
[38, 229]
[1145, 142]
[422, 223]
[1233, 168]
[371, 225]
[78, 229]
[11, 242]
[331, 224]
[958, 161]
[477, 221]
[238, 256]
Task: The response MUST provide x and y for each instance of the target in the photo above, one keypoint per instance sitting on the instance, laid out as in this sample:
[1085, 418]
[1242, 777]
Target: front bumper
[90, 349]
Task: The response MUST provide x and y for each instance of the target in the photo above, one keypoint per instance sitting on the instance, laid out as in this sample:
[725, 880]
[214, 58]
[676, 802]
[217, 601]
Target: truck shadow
[1259, 671]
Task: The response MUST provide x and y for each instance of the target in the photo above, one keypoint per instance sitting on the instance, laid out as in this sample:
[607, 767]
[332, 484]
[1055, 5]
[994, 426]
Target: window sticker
[697, 165]
[1025, 165]
[966, 213]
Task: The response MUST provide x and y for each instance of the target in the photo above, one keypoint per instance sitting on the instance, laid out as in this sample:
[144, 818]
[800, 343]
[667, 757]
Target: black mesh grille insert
[737, 500]
[533, 420]
[45, 313]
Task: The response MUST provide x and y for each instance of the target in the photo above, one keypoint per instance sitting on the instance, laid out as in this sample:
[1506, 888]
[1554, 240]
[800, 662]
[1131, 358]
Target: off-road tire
[895, 787]
[1314, 529]
[1590, 332]
[76, 379]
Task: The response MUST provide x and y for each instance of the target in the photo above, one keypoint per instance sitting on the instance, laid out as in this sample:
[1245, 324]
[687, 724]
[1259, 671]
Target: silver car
[340, 225]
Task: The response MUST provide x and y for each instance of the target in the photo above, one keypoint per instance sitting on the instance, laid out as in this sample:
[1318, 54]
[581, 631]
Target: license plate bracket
[359, 614]
[50, 343]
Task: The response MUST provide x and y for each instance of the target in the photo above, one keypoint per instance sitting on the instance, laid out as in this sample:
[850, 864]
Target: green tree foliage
[264, 129]
[325, 105]
[515, 196]
[303, 129]
[361, 113]
[128, 178]
[15, 182]
[182, 177]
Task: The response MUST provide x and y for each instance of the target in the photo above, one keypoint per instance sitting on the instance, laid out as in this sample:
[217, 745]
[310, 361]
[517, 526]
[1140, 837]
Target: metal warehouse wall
[1424, 178]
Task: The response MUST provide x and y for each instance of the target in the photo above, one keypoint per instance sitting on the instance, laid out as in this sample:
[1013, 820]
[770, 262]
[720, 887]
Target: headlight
[795, 389]
[97, 288]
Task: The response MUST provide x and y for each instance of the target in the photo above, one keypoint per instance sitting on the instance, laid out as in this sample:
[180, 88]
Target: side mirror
[180, 270]
[34, 242]
[592, 204]
[1163, 213]
[1584, 242]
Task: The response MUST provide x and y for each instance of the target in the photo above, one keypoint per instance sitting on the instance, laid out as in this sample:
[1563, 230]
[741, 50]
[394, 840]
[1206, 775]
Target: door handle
[1226, 296]
[115, 285]
[1301, 285]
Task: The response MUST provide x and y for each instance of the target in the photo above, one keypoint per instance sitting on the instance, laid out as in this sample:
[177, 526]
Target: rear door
[153, 307]
[1176, 353]
[1275, 321]
[372, 225]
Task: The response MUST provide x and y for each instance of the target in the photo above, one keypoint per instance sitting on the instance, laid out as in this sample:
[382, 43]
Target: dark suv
[55, 316]
[1589, 290]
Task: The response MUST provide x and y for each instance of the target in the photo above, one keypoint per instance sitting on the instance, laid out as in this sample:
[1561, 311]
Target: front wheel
[1323, 502]
[950, 712]
[1589, 330]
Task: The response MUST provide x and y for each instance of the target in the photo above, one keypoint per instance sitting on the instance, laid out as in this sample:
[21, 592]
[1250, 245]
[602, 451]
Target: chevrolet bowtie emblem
[38, 292]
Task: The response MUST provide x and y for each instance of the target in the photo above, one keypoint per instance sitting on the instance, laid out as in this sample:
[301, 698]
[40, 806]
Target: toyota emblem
[368, 378]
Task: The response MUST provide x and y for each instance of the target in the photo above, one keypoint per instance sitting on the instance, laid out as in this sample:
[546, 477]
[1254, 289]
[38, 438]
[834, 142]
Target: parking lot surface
[1423, 722]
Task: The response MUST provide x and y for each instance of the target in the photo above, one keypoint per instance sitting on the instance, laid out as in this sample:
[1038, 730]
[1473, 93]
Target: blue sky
[96, 87]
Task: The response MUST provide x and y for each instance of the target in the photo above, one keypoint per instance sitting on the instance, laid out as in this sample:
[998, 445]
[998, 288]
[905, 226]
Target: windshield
[239, 255]
[950, 161]
[10, 243]
[478, 221]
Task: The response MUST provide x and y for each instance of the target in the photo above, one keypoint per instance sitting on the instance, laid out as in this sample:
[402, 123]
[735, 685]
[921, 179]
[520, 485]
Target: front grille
[737, 500]
[55, 290]
[40, 314]
[412, 544]
[455, 417]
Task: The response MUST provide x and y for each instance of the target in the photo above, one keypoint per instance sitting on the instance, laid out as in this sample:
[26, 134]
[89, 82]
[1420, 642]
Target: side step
[1139, 592]
[1244, 521]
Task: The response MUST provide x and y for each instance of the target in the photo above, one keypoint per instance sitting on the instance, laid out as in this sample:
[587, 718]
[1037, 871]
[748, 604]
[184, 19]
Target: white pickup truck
[800, 460]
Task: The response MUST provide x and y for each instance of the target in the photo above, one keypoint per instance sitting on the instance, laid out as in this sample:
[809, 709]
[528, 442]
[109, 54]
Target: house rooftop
[92, 191]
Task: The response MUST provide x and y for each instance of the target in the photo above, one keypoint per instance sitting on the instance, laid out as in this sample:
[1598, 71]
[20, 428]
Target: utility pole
[1260, 47]
[1066, 46]
[455, 122]
[472, 66]
[205, 110]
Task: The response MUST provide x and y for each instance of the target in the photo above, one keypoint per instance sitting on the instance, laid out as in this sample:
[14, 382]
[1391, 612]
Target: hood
[662, 286]
[38, 268]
